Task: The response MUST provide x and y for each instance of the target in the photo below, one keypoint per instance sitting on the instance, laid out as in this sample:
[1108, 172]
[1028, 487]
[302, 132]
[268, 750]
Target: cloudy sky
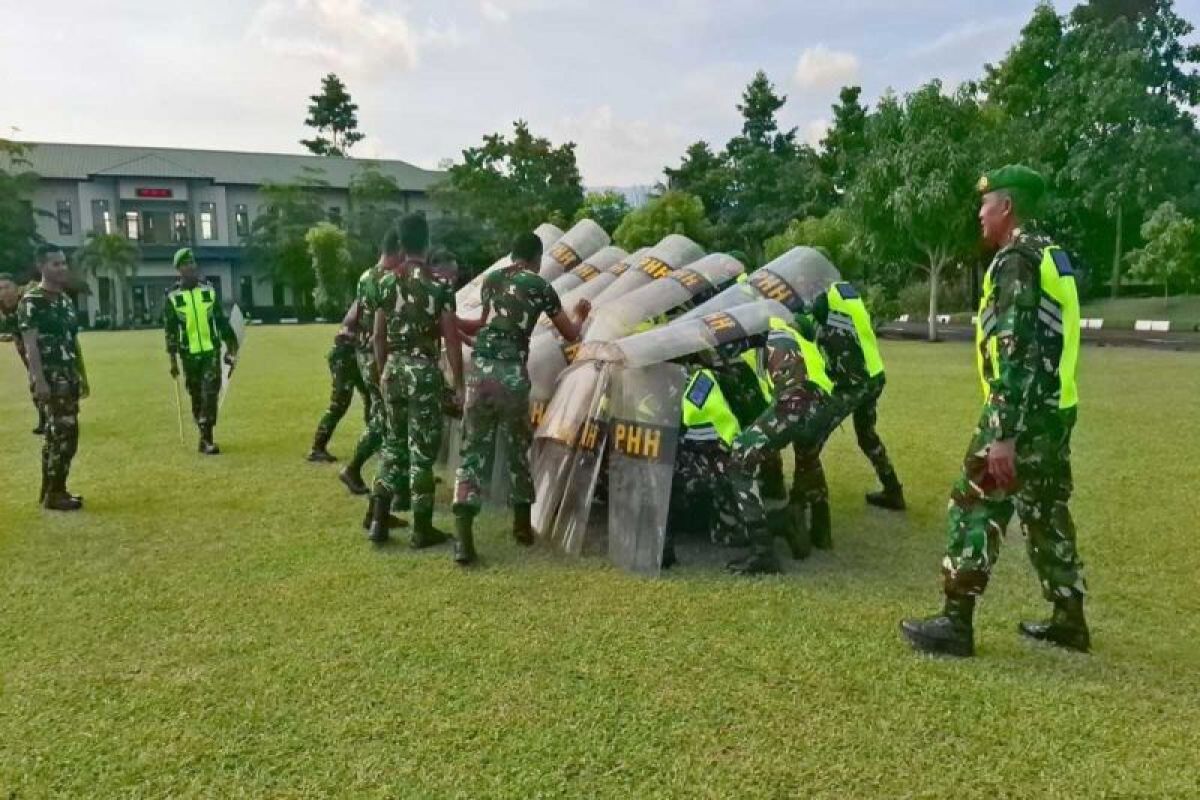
[633, 82]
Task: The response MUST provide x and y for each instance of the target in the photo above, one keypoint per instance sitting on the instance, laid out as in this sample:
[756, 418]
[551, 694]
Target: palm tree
[111, 255]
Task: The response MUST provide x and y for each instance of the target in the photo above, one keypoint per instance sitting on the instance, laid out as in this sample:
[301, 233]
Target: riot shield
[794, 279]
[467, 299]
[584, 239]
[681, 339]
[643, 437]
[675, 289]
[590, 289]
[237, 321]
[592, 267]
[670, 254]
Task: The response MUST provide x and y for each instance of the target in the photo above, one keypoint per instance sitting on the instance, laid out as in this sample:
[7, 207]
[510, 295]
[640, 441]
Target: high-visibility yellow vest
[1058, 323]
[194, 308]
[814, 362]
[753, 359]
[847, 312]
[706, 413]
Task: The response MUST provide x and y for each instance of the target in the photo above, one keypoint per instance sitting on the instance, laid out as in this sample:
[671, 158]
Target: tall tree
[18, 227]
[846, 140]
[277, 245]
[112, 256]
[334, 270]
[376, 202]
[606, 209]
[335, 118]
[673, 212]
[704, 174]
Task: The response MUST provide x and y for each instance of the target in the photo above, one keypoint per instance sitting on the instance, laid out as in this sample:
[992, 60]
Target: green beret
[184, 256]
[1015, 176]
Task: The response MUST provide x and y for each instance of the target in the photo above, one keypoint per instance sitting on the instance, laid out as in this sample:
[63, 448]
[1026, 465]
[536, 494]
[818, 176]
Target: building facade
[165, 198]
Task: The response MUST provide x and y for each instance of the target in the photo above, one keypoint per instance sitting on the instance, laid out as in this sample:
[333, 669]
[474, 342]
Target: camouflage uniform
[498, 387]
[368, 299]
[52, 316]
[413, 385]
[201, 370]
[702, 492]
[1022, 404]
[346, 380]
[9, 328]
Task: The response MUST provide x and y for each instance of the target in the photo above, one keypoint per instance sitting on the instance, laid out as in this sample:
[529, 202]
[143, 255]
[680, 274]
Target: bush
[953, 297]
[881, 307]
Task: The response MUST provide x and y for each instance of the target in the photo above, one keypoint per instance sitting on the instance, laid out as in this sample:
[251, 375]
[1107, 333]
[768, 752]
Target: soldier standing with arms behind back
[498, 394]
[1027, 347]
[49, 329]
[195, 325]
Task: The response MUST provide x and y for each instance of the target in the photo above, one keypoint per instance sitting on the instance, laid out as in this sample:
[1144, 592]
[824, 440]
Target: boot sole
[936, 647]
[1043, 640]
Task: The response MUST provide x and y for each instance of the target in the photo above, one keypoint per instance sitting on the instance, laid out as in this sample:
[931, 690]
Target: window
[208, 220]
[335, 215]
[241, 216]
[132, 226]
[102, 221]
[64, 218]
[180, 227]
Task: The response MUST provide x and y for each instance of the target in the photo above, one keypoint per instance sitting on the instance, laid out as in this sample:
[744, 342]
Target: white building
[166, 198]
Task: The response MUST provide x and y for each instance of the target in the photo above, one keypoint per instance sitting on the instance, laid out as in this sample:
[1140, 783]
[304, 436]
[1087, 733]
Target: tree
[1172, 251]
[112, 256]
[834, 234]
[845, 142]
[334, 269]
[512, 185]
[277, 243]
[914, 194]
[335, 118]
[673, 212]
[704, 174]
[376, 202]
[18, 228]
[607, 209]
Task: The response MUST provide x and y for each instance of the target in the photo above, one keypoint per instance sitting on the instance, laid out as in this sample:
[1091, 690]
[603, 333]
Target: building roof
[83, 161]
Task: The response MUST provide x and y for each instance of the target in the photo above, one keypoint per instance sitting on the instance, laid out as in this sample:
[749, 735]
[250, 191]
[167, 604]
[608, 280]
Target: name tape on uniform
[773, 287]
[643, 441]
[565, 256]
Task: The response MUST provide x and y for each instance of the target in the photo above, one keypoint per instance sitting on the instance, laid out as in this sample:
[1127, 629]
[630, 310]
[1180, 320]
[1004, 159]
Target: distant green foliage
[1171, 255]
[833, 234]
[673, 212]
[328, 247]
[112, 256]
[606, 209]
[18, 228]
[335, 118]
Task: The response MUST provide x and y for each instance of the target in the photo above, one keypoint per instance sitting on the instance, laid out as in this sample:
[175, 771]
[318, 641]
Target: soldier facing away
[513, 299]
[49, 329]
[346, 380]
[10, 297]
[1027, 347]
[195, 325]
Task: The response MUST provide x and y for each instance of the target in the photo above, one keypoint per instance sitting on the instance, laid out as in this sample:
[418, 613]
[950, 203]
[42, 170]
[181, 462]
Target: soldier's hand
[1002, 462]
[231, 359]
[41, 390]
[85, 391]
[174, 368]
[583, 308]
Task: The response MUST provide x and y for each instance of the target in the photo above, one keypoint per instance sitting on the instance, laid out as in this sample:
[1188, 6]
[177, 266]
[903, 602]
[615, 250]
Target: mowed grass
[220, 628]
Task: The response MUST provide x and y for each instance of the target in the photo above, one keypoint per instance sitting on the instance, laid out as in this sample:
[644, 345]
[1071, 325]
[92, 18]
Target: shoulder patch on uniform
[1062, 262]
[847, 291]
[700, 390]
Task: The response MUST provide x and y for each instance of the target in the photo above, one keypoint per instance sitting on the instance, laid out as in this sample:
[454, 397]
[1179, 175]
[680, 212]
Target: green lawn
[220, 628]
[1183, 311]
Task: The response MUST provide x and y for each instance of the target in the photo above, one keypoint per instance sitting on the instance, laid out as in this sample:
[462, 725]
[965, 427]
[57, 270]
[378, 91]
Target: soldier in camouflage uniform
[48, 327]
[513, 299]
[415, 319]
[10, 296]
[802, 414]
[1019, 458]
[359, 323]
[346, 380]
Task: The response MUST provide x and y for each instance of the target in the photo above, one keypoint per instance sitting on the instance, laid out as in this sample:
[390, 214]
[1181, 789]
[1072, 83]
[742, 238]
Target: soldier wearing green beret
[1027, 347]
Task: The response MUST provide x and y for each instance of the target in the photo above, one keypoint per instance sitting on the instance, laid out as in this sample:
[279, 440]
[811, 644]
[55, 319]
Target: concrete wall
[221, 220]
[45, 198]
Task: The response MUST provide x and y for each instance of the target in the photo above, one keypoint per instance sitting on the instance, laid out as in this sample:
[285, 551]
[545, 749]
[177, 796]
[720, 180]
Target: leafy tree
[328, 247]
[513, 184]
[376, 202]
[112, 256]
[18, 229]
[846, 140]
[469, 240]
[335, 118]
[704, 174]
[607, 209]
[277, 243]
[834, 234]
[1172, 251]
[673, 212]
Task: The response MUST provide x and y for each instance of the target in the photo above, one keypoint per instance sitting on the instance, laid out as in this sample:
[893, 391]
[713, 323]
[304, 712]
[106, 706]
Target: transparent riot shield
[467, 299]
[584, 239]
[592, 267]
[682, 339]
[643, 437]
[794, 279]
[590, 289]
[670, 254]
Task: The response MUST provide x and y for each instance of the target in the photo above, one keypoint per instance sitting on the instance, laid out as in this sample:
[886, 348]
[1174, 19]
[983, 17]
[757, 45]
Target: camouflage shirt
[368, 298]
[52, 315]
[785, 363]
[513, 298]
[415, 301]
[1028, 377]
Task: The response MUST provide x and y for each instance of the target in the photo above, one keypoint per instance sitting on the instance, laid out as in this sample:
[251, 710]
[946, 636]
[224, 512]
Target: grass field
[220, 628]
[1182, 311]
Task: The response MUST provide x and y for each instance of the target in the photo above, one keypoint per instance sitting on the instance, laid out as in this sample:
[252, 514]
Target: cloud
[343, 35]
[493, 12]
[815, 131]
[971, 37]
[619, 152]
[822, 68]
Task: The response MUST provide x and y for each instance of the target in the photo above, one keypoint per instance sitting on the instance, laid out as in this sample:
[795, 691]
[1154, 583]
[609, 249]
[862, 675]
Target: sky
[632, 82]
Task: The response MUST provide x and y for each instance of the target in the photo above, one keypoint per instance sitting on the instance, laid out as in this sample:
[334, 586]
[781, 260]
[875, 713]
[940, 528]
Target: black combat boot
[351, 477]
[318, 454]
[762, 559]
[820, 526]
[207, 446]
[523, 524]
[951, 633]
[392, 520]
[1066, 627]
[57, 498]
[377, 530]
[464, 540]
[40, 430]
[784, 524]
[424, 534]
[891, 498]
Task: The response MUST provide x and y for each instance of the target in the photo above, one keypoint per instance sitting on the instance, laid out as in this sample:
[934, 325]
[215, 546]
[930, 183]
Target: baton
[178, 407]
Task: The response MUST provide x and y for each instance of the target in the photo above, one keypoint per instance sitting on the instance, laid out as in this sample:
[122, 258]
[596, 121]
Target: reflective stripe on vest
[194, 307]
[1058, 323]
[814, 362]
[706, 414]
[847, 312]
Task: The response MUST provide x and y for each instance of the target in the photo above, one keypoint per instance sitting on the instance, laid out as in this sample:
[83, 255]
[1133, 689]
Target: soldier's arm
[569, 329]
[41, 388]
[85, 388]
[170, 324]
[224, 328]
[453, 348]
[379, 343]
[470, 327]
[350, 320]
[1016, 332]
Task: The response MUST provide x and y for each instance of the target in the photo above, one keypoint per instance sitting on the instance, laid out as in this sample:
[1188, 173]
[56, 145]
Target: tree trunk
[935, 270]
[1116, 273]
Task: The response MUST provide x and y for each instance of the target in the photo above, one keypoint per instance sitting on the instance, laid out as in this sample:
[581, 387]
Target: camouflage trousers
[372, 436]
[62, 429]
[701, 491]
[980, 511]
[412, 396]
[497, 403]
[345, 380]
[202, 377]
[861, 404]
[803, 418]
